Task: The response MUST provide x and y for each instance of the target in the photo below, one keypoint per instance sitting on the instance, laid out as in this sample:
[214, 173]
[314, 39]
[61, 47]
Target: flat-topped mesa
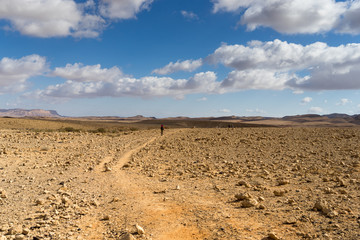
[28, 113]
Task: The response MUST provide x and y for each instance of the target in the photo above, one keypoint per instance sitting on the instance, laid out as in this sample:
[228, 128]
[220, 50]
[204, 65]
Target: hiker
[162, 129]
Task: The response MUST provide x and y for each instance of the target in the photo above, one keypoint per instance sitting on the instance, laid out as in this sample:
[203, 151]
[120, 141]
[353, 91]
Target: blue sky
[168, 58]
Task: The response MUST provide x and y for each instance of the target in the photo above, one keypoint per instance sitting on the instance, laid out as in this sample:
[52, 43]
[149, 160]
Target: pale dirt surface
[251, 183]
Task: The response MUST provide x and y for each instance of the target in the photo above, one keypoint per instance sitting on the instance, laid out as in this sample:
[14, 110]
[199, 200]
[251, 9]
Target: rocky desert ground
[191, 183]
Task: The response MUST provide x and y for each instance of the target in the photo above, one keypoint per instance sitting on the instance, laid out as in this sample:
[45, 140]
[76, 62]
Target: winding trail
[131, 199]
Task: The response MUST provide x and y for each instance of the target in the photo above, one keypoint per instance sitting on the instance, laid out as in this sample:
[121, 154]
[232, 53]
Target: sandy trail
[131, 199]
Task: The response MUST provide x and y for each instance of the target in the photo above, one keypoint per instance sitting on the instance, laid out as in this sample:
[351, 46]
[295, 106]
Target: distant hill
[28, 113]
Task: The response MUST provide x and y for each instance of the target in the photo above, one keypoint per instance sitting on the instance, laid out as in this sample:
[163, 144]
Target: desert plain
[93, 180]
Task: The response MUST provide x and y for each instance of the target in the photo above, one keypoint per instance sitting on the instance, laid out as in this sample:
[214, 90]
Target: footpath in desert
[214, 183]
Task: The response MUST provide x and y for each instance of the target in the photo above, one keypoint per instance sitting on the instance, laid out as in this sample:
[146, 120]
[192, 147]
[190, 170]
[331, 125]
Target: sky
[168, 58]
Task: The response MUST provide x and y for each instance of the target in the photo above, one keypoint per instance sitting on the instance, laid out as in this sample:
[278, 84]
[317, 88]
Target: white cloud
[230, 5]
[278, 65]
[306, 100]
[14, 73]
[187, 65]
[343, 102]
[62, 18]
[124, 9]
[257, 111]
[189, 15]
[298, 91]
[79, 73]
[203, 99]
[225, 110]
[351, 19]
[50, 18]
[316, 110]
[94, 81]
[296, 16]
[255, 79]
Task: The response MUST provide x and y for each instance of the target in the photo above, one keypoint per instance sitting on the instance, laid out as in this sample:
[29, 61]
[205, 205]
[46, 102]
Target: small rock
[3, 193]
[94, 203]
[273, 236]
[106, 218]
[139, 229]
[261, 206]
[25, 231]
[243, 183]
[341, 182]
[323, 207]
[107, 168]
[279, 193]
[283, 182]
[39, 202]
[19, 237]
[242, 196]
[290, 220]
[128, 236]
[14, 230]
[247, 203]
[115, 199]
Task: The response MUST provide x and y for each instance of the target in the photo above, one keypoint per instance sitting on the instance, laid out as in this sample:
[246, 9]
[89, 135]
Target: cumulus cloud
[124, 9]
[306, 100]
[14, 73]
[230, 5]
[203, 99]
[189, 15]
[62, 18]
[93, 81]
[50, 18]
[351, 19]
[79, 73]
[257, 111]
[316, 110]
[187, 65]
[225, 110]
[343, 102]
[255, 79]
[278, 65]
[296, 16]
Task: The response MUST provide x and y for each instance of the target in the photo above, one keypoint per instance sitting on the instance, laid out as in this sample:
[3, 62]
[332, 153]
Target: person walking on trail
[162, 129]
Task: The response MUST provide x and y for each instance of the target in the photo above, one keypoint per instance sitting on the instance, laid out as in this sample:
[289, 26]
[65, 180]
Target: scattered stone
[341, 182]
[279, 193]
[115, 199]
[39, 201]
[261, 206]
[242, 196]
[322, 206]
[243, 183]
[19, 237]
[283, 182]
[128, 236]
[139, 229]
[107, 168]
[105, 218]
[247, 203]
[273, 236]
[290, 220]
[3, 193]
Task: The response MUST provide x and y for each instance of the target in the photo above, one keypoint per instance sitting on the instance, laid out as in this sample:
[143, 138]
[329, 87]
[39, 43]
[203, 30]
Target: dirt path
[132, 199]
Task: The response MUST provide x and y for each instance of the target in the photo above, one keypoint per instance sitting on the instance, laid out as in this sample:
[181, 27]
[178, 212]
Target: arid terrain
[87, 180]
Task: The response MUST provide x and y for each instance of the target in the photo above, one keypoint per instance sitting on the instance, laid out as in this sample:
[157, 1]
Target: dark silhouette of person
[162, 129]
